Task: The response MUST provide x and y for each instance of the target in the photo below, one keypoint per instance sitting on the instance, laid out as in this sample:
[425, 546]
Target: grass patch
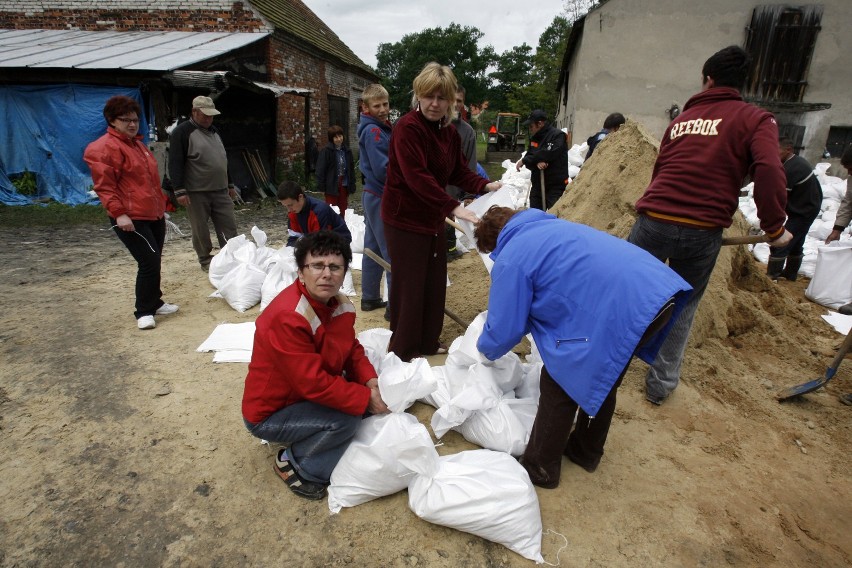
[50, 215]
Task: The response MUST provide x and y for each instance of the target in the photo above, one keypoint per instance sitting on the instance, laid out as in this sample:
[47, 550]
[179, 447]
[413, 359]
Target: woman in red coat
[127, 182]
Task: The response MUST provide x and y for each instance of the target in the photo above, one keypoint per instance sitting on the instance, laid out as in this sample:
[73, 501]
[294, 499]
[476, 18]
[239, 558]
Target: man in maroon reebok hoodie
[705, 154]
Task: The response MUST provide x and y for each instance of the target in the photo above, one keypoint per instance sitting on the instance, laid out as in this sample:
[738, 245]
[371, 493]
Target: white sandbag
[278, 277]
[441, 395]
[481, 492]
[369, 467]
[357, 228]
[576, 155]
[401, 383]
[504, 428]
[241, 286]
[530, 386]
[225, 260]
[375, 342]
[263, 253]
[831, 285]
[473, 397]
[348, 286]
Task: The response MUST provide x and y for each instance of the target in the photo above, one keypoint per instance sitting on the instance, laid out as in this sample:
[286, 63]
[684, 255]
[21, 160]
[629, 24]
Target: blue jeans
[374, 239]
[316, 435]
[692, 254]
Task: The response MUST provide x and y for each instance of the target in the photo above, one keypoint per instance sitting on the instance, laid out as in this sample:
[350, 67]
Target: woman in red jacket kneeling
[309, 382]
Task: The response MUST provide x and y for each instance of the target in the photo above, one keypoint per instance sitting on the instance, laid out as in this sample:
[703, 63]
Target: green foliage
[25, 183]
[527, 80]
[456, 46]
[514, 71]
[294, 171]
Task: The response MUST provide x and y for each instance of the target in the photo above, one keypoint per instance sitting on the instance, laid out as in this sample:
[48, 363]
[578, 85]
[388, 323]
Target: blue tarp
[44, 129]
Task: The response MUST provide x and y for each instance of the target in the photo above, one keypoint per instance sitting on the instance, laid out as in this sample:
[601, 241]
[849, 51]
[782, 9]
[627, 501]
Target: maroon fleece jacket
[424, 157]
[704, 157]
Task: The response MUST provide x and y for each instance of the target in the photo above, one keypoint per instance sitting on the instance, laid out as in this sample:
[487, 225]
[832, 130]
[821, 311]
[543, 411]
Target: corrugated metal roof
[134, 50]
[219, 81]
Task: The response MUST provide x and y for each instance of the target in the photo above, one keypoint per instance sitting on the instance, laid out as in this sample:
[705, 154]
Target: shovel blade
[803, 388]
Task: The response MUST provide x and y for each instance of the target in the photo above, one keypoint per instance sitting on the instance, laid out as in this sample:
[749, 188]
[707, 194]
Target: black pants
[552, 436]
[145, 243]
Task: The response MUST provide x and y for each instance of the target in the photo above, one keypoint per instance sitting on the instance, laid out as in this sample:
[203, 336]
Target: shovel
[813, 385]
[384, 264]
[543, 198]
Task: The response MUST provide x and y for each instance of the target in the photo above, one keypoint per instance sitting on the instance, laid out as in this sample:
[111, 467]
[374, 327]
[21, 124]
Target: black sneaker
[370, 305]
[453, 255]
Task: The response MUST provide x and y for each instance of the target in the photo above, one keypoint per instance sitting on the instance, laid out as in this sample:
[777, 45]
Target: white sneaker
[167, 309]
[146, 322]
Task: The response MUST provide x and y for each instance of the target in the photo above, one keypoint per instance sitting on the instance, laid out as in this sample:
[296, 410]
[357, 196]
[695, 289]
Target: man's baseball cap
[535, 116]
[205, 105]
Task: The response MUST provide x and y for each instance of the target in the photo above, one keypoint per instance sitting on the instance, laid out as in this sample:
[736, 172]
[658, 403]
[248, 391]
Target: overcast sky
[364, 24]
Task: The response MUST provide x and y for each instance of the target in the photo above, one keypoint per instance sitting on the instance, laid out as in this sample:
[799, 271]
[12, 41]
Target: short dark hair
[785, 142]
[490, 225]
[120, 104]
[334, 131]
[322, 243]
[727, 67]
[290, 190]
[614, 120]
[846, 158]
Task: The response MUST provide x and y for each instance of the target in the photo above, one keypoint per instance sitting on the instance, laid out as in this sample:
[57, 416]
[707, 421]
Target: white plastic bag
[481, 492]
[369, 467]
[831, 284]
[241, 286]
[226, 260]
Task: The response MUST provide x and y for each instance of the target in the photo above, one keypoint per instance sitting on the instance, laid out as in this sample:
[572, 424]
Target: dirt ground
[126, 448]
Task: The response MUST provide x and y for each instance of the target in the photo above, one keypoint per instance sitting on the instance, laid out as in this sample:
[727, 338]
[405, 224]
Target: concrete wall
[639, 57]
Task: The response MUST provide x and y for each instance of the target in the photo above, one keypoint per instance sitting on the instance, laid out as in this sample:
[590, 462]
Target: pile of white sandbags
[483, 492]
[246, 273]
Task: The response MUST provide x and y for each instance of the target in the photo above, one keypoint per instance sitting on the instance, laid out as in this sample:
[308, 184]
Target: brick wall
[194, 16]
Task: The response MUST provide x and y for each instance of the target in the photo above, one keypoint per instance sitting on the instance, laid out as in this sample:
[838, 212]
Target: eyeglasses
[319, 267]
[128, 120]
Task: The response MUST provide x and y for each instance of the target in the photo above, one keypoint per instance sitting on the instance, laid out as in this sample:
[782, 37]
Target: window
[839, 138]
[781, 40]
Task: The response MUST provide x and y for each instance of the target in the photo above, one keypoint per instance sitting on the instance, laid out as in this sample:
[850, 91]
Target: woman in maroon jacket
[127, 182]
[424, 157]
[309, 381]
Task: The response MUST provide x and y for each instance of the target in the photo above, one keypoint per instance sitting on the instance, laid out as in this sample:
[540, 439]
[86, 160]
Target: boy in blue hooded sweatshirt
[591, 302]
[374, 132]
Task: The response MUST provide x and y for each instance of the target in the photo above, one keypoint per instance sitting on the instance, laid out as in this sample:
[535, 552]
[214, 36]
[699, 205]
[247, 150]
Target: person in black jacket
[336, 170]
[548, 152]
[804, 199]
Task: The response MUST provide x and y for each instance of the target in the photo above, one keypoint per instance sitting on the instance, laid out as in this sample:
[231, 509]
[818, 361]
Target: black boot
[775, 266]
[845, 309]
[791, 269]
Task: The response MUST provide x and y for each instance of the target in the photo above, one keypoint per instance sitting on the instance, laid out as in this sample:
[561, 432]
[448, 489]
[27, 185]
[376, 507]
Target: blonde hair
[437, 77]
[373, 91]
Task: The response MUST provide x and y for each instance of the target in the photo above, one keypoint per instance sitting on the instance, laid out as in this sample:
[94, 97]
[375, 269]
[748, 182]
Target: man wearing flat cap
[198, 168]
[548, 152]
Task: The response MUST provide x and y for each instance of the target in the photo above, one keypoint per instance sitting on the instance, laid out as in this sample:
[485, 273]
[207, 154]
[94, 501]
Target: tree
[456, 46]
[514, 70]
[541, 92]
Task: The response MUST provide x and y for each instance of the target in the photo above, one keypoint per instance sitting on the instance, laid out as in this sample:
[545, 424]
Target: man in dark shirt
[548, 152]
[804, 198]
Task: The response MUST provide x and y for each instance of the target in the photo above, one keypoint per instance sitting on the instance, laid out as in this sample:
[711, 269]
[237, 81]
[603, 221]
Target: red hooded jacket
[704, 157]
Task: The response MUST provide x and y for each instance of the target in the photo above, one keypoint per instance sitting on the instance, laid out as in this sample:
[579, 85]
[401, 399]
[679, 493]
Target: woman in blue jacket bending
[591, 302]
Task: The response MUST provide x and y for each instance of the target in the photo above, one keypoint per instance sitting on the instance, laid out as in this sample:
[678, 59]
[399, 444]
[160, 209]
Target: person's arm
[106, 166]
[770, 181]
[552, 147]
[178, 148]
[293, 229]
[322, 167]
[375, 153]
[509, 303]
[301, 366]
[328, 219]
[844, 215]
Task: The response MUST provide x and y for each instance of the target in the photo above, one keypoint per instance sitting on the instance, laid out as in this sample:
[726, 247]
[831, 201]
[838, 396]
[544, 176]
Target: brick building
[276, 71]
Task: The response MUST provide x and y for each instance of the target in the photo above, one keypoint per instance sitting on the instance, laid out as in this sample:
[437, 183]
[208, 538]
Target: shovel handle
[745, 240]
[383, 263]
